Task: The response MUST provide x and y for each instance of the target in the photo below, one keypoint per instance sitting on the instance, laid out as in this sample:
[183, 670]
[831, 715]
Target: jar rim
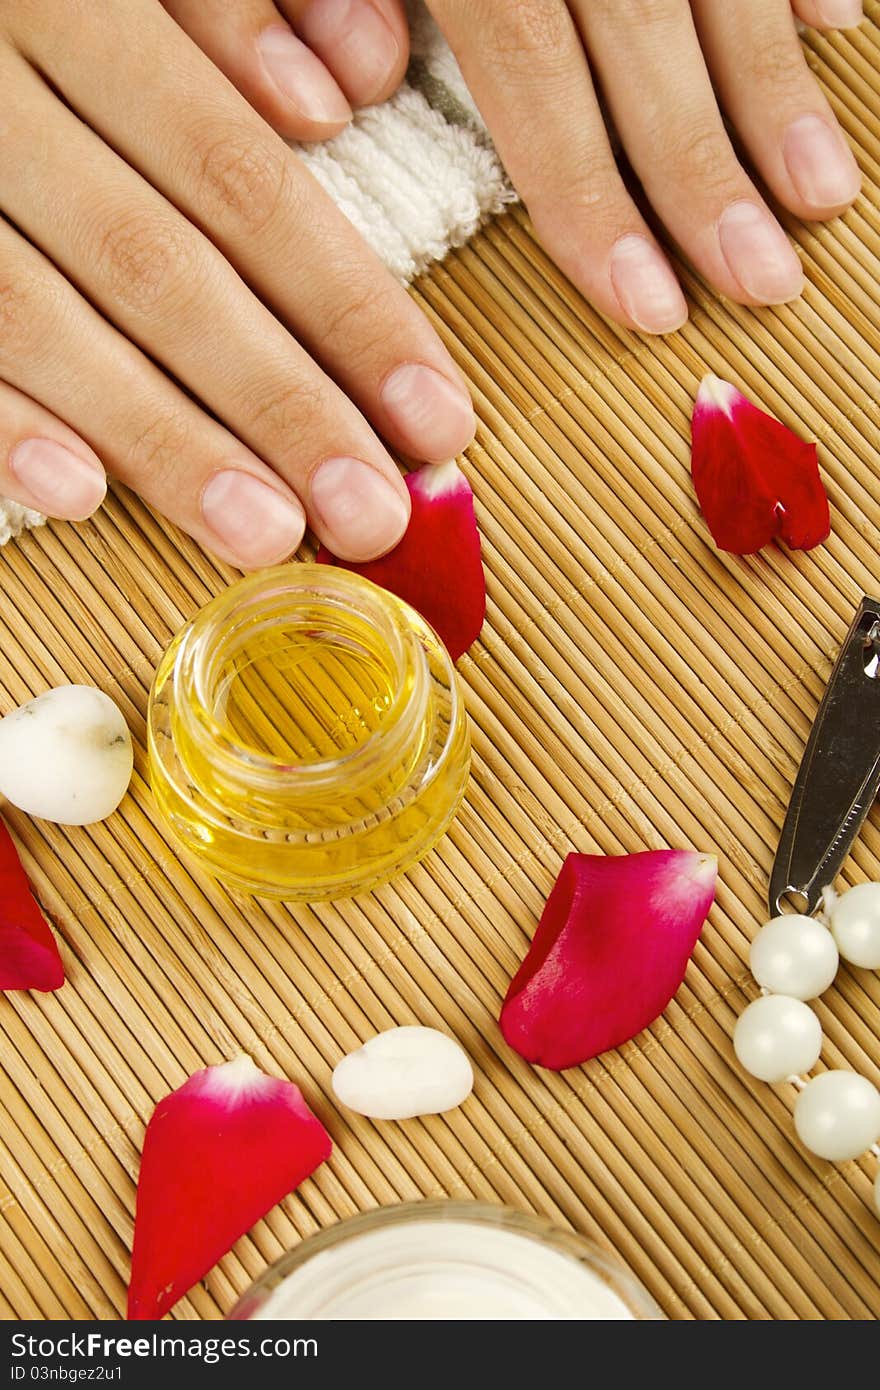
[393, 620]
[605, 1264]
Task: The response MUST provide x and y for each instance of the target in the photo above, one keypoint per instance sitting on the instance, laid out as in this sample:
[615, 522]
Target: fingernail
[301, 77]
[758, 254]
[842, 14]
[355, 39]
[60, 483]
[820, 163]
[363, 513]
[250, 519]
[646, 287]
[434, 413]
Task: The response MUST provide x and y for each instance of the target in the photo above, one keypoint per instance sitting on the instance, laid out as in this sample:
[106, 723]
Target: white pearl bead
[837, 1115]
[855, 924]
[777, 1037]
[794, 955]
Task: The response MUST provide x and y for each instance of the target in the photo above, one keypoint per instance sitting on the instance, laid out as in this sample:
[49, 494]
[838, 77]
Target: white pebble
[794, 955]
[837, 1115]
[404, 1072]
[855, 925]
[777, 1037]
[66, 756]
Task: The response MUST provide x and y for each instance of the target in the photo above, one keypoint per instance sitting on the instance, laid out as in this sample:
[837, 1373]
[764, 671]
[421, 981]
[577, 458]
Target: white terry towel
[416, 175]
[419, 174]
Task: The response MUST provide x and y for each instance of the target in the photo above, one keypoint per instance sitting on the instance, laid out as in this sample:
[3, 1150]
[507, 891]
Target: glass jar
[307, 735]
[446, 1261]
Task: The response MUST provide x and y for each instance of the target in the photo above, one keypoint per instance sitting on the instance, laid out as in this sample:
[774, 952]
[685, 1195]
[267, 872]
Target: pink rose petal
[29, 957]
[436, 567]
[610, 951]
[754, 479]
[218, 1154]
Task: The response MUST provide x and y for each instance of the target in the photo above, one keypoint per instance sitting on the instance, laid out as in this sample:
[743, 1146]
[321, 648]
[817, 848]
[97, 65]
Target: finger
[652, 71]
[364, 43]
[200, 143]
[774, 101]
[172, 292]
[527, 58]
[55, 347]
[43, 464]
[278, 74]
[829, 14]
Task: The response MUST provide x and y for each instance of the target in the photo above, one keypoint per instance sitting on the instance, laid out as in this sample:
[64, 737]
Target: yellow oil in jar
[309, 751]
[299, 699]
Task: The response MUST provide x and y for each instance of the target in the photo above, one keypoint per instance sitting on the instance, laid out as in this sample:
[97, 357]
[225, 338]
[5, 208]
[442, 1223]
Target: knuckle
[589, 197]
[280, 416]
[592, 191]
[24, 312]
[776, 62]
[621, 12]
[355, 319]
[656, 11]
[244, 179]
[515, 35]
[144, 259]
[698, 153]
[156, 450]
[16, 311]
[536, 26]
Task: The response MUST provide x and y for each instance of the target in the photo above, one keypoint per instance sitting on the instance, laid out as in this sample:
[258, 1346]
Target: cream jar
[446, 1261]
[307, 735]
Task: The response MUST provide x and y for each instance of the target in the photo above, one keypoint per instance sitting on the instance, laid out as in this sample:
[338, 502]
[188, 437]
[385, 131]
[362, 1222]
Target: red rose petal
[29, 957]
[436, 567]
[610, 951]
[754, 479]
[218, 1154]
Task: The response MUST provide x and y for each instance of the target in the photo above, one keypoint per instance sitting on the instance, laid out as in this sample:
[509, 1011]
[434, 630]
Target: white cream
[443, 1270]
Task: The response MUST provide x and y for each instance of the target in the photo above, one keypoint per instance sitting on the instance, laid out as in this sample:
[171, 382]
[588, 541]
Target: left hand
[303, 64]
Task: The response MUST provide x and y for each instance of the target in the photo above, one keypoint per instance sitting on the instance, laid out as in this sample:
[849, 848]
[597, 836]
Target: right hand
[151, 216]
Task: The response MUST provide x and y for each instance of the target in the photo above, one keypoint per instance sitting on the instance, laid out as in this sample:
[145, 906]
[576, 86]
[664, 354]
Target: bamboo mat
[632, 689]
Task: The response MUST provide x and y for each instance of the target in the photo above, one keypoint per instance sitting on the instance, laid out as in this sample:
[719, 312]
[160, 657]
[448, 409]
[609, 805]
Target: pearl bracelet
[778, 1037]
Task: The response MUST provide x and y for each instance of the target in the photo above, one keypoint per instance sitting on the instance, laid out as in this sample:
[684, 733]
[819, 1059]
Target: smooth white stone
[404, 1072]
[794, 955]
[837, 1115]
[777, 1037]
[66, 756]
[855, 925]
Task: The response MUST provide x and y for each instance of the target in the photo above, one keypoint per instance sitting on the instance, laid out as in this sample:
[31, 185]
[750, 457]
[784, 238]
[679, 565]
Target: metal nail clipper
[839, 775]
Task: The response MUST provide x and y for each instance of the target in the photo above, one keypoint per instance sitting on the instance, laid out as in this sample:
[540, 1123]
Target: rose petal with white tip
[218, 1153]
[755, 479]
[436, 567]
[610, 951]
